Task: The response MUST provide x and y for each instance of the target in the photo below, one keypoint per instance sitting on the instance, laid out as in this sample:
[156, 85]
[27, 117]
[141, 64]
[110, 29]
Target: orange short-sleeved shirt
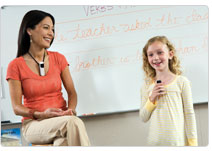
[40, 92]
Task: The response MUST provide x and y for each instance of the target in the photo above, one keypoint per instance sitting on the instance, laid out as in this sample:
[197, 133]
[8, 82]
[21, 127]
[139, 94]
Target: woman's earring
[30, 38]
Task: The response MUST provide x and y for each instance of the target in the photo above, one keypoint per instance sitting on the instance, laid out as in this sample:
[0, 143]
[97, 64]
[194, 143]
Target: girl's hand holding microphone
[157, 91]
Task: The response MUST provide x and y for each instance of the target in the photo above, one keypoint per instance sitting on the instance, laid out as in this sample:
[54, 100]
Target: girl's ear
[171, 54]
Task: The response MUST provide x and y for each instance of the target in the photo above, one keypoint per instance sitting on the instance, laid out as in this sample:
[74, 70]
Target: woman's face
[43, 33]
[158, 56]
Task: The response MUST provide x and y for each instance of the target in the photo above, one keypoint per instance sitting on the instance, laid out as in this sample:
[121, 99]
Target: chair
[42, 144]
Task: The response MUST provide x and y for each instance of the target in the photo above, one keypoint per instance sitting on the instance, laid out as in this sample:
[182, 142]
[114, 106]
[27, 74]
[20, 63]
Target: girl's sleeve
[189, 115]
[147, 107]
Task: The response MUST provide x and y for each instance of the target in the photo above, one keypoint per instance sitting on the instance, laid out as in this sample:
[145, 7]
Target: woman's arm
[19, 109]
[16, 98]
[69, 86]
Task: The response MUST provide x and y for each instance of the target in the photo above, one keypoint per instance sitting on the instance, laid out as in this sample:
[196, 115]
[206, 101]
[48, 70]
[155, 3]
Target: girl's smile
[157, 64]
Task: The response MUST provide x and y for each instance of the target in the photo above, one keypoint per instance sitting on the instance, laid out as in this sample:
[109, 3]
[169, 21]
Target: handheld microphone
[159, 81]
[42, 71]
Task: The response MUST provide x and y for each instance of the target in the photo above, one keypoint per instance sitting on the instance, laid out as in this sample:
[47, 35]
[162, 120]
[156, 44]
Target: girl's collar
[171, 82]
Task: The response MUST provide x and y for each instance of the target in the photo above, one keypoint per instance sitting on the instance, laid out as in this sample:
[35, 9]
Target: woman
[36, 74]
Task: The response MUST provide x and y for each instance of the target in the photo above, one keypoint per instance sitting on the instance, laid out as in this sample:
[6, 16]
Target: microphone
[159, 81]
[42, 71]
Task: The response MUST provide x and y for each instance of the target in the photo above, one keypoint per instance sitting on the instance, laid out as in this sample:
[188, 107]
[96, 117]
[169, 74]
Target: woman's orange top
[40, 92]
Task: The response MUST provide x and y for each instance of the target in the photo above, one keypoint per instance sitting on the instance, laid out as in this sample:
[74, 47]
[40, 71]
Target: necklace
[40, 64]
[35, 59]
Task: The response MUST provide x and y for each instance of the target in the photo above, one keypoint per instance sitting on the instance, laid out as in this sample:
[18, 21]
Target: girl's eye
[160, 52]
[150, 55]
[45, 27]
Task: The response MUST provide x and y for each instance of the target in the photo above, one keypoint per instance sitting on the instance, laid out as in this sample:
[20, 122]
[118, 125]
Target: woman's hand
[51, 112]
[69, 112]
[158, 90]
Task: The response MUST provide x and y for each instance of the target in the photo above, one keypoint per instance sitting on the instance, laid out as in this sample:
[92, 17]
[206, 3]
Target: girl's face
[43, 33]
[158, 56]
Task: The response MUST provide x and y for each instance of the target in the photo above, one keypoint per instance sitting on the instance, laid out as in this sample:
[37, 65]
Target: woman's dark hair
[30, 20]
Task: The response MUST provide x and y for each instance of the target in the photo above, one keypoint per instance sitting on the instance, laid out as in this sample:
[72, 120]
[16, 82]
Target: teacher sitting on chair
[38, 74]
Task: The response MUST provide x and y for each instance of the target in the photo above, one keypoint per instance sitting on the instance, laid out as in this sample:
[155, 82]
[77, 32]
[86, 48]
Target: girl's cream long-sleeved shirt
[172, 117]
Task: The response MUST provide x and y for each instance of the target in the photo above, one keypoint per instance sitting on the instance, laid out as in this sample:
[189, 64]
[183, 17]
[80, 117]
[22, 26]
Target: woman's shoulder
[13, 68]
[54, 53]
[16, 61]
[57, 57]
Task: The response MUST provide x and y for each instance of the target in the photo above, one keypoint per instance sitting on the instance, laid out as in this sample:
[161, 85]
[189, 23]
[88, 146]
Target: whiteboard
[103, 45]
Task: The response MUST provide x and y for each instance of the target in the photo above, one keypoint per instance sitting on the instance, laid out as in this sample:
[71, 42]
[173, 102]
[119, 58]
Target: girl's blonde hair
[174, 63]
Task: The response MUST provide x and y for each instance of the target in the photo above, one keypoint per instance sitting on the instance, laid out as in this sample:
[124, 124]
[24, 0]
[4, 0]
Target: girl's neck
[165, 77]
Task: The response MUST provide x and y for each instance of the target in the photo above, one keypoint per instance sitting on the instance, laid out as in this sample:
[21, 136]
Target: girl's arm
[190, 121]
[69, 86]
[19, 109]
[147, 106]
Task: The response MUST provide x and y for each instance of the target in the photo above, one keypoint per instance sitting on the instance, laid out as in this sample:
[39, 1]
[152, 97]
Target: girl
[168, 103]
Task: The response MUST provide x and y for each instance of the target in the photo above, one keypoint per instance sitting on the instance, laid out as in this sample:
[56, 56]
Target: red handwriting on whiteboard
[138, 25]
[168, 19]
[94, 9]
[184, 50]
[138, 57]
[60, 37]
[196, 17]
[94, 62]
[135, 58]
[93, 32]
[205, 43]
[183, 47]
[101, 61]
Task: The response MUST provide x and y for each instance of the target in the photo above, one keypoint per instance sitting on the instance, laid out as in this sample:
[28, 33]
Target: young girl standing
[167, 103]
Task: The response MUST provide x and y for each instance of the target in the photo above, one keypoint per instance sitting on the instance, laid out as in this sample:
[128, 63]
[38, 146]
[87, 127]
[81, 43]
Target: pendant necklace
[40, 64]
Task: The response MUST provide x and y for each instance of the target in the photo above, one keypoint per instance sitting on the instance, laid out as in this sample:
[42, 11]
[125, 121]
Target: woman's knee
[74, 120]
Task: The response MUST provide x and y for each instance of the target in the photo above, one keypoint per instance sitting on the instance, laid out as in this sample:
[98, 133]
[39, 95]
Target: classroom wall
[126, 129]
